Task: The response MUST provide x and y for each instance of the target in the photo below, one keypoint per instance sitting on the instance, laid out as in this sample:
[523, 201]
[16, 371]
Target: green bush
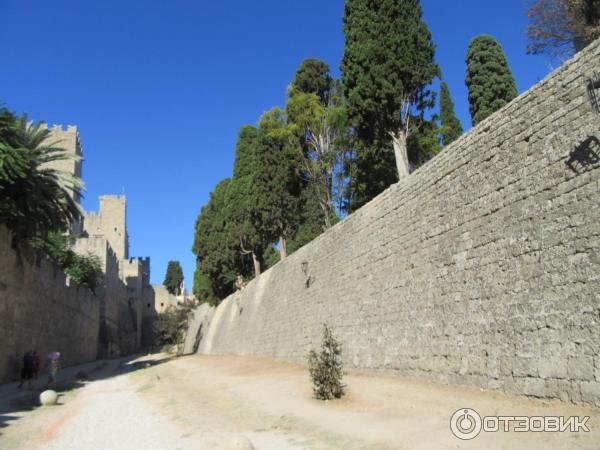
[85, 270]
[170, 326]
[326, 369]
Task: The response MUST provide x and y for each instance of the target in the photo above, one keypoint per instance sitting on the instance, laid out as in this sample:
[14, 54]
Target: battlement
[113, 197]
[60, 128]
[138, 259]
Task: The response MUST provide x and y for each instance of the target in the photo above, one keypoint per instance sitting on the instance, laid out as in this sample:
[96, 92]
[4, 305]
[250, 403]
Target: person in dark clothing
[36, 364]
[28, 369]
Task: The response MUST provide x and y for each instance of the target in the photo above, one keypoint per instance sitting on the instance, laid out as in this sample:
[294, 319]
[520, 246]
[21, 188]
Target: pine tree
[451, 127]
[489, 78]
[174, 278]
[387, 67]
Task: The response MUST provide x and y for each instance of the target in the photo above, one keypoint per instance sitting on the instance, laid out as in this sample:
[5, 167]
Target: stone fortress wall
[481, 268]
[39, 310]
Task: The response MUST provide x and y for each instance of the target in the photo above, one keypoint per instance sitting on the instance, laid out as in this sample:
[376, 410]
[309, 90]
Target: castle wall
[38, 310]
[163, 299]
[135, 272]
[120, 327]
[481, 268]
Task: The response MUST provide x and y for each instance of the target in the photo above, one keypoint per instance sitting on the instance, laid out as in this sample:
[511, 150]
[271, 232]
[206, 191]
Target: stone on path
[48, 397]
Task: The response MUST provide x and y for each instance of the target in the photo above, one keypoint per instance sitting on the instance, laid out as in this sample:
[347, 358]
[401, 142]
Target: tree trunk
[282, 247]
[327, 214]
[256, 265]
[399, 140]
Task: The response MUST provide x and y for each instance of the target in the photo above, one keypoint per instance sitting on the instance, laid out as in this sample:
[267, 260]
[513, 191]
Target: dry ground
[213, 402]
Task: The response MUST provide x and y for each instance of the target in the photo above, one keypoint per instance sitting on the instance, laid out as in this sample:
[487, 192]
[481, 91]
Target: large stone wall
[481, 268]
[38, 310]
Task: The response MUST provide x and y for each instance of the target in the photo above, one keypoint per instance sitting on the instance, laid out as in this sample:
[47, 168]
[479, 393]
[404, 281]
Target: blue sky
[159, 89]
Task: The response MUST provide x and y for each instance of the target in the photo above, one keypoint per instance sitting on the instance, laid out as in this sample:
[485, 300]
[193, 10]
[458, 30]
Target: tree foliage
[202, 290]
[559, 27]
[174, 278]
[171, 325]
[324, 134]
[85, 270]
[325, 368]
[212, 244]
[34, 198]
[313, 77]
[387, 67]
[243, 226]
[489, 78]
[277, 185]
[451, 127]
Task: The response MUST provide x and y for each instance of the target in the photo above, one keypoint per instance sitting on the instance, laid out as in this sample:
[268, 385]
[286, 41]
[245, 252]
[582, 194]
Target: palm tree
[34, 198]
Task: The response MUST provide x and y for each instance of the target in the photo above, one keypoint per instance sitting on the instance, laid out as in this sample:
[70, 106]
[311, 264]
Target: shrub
[170, 326]
[85, 270]
[326, 368]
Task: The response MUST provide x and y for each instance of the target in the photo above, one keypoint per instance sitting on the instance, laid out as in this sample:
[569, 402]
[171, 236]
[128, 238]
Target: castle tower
[111, 223]
[113, 216]
[68, 140]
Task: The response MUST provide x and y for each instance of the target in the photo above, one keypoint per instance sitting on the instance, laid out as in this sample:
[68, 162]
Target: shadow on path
[14, 402]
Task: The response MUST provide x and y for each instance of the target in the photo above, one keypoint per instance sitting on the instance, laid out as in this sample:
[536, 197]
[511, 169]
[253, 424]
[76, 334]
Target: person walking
[28, 369]
[36, 363]
[53, 367]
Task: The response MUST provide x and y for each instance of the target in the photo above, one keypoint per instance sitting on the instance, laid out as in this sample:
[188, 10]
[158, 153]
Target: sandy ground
[224, 402]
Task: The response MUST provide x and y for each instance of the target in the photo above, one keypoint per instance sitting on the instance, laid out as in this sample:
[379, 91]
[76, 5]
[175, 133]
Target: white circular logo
[465, 424]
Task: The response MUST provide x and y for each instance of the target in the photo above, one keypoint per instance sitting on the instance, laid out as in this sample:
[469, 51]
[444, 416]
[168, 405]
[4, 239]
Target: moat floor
[224, 402]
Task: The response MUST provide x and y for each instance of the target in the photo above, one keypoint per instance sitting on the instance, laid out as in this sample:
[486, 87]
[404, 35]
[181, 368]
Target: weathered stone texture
[38, 310]
[481, 268]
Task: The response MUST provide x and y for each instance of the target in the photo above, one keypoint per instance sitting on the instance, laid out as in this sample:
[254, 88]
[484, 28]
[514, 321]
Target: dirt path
[213, 402]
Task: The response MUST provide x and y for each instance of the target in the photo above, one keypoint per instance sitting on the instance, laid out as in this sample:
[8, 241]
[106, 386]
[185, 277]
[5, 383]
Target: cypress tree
[244, 223]
[213, 247]
[451, 127]
[173, 278]
[276, 186]
[489, 78]
[312, 77]
[387, 66]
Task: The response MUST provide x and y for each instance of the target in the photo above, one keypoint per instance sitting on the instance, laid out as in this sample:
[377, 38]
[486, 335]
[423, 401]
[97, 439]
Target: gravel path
[110, 416]
[223, 402]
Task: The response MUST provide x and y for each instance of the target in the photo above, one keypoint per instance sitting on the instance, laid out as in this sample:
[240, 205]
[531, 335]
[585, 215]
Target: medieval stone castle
[116, 320]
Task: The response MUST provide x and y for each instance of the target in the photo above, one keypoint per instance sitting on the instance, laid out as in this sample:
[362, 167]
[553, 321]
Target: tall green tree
[202, 289]
[451, 127]
[313, 77]
[174, 278]
[323, 131]
[317, 116]
[244, 225]
[34, 198]
[387, 67]
[215, 254]
[489, 78]
[277, 185]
